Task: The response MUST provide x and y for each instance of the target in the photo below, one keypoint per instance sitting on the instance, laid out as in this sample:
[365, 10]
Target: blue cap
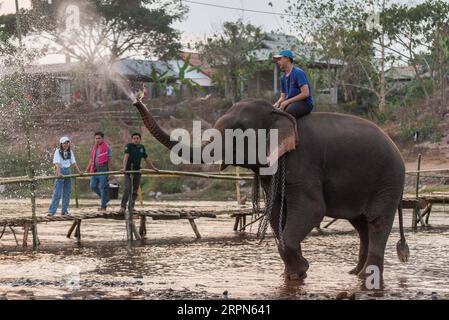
[284, 53]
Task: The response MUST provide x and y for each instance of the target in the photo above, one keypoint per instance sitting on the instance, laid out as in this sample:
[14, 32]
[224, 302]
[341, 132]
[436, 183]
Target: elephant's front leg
[305, 210]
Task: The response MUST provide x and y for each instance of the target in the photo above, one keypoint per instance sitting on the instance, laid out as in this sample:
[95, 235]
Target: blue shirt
[292, 84]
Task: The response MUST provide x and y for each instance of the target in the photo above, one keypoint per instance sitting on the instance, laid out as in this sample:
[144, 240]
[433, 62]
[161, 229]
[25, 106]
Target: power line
[241, 9]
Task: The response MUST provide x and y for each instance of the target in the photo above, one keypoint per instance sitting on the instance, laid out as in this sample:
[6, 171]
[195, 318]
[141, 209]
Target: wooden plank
[408, 203]
[159, 216]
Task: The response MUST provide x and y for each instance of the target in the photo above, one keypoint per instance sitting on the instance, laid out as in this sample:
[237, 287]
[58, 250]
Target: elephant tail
[402, 246]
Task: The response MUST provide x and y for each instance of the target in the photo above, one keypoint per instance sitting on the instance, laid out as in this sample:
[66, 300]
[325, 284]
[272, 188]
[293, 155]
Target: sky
[8, 6]
[203, 20]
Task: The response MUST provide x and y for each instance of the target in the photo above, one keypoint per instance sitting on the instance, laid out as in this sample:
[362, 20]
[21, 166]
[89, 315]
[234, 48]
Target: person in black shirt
[134, 152]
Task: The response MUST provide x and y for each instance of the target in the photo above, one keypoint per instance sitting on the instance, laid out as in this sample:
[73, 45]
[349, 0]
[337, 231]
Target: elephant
[336, 165]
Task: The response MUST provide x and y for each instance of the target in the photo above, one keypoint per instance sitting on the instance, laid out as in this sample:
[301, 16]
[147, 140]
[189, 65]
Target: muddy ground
[172, 264]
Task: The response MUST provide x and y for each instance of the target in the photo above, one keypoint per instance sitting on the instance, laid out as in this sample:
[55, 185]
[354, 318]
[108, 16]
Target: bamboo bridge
[78, 215]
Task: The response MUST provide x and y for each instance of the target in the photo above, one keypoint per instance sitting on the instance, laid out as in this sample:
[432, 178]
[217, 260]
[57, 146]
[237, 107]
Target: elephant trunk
[161, 135]
[153, 127]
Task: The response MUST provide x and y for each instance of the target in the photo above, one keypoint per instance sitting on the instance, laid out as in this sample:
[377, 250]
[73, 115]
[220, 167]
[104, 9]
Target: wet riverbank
[172, 264]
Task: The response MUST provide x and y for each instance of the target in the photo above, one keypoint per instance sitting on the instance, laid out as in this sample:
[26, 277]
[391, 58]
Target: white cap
[64, 139]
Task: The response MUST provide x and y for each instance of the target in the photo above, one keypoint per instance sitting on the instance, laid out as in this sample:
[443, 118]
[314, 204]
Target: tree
[337, 31]
[232, 54]
[109, 29]
[96, 33]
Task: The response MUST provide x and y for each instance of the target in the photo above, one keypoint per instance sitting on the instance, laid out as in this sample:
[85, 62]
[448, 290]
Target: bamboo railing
[145, 172]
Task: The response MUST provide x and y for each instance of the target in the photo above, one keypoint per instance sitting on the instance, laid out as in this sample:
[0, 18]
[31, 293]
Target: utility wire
[240, 9]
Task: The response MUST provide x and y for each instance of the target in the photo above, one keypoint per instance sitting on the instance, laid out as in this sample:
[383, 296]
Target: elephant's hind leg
[378, 231]
[361, 225]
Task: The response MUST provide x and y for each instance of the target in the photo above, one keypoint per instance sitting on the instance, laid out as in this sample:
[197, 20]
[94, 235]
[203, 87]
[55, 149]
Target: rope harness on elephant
[277, 180]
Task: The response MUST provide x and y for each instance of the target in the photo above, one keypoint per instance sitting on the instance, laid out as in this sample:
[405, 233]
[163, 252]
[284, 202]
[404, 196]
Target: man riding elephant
[296, 95]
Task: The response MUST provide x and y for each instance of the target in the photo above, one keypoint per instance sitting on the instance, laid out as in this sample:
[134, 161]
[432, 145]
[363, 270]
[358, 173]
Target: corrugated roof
[401, 73]
[274, 42]
[143, 68]
[125, 67]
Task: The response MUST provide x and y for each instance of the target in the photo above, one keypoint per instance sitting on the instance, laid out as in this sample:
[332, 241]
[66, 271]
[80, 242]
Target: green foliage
[232, 54]
[109, 130]
[159, 80]
[166, 185]
[427, 126]
[7, 27]
[413, 34]
[191, 85]
[411, 93]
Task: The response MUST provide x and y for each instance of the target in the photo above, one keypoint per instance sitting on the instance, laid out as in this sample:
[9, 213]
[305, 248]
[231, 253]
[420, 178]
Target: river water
[172, 264]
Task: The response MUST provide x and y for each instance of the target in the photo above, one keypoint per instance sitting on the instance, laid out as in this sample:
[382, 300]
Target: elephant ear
[288, 137]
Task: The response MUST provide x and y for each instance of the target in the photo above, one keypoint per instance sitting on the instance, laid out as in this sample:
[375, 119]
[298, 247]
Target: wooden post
[128, 213]
[242, 222]
[33, 215]
[236, 223]
[78, 231]
[143, 219]
[237, 185]
[131, 229]
[428, 210]
[238, 219]
[143, 227]
[140, 195]
[31, 177]
[69, 234]
[194, 227]
[417, 209]
[75, 184]
[134, 230]
[26, 229]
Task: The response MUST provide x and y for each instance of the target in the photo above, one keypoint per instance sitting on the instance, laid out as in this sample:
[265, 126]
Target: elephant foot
[370, 281]
[296, 276]
[362, 275]
[298, 272]
[356, 270]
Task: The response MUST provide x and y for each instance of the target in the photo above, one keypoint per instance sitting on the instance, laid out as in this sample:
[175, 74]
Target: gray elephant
[336, 165]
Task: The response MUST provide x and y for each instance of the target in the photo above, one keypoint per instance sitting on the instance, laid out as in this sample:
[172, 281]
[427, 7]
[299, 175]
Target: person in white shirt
[63, 159]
